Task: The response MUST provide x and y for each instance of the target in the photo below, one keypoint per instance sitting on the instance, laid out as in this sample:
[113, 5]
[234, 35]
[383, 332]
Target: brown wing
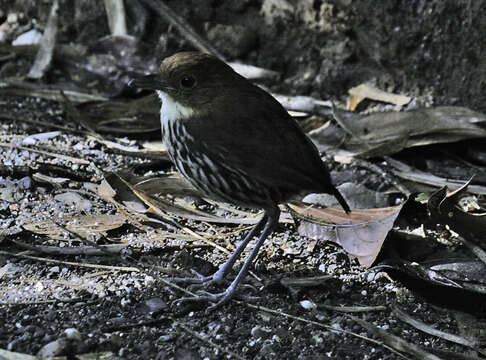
[257, 136]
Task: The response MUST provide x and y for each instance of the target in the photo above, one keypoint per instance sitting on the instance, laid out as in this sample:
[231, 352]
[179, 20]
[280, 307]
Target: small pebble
[308, 305]
[153, 305]
[72, 334]
[260, 332]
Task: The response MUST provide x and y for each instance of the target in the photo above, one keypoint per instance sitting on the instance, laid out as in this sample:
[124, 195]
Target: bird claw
[197, 279]
[204, 296]
[218, 299]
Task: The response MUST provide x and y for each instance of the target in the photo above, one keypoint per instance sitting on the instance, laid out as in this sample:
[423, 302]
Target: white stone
[30, 37]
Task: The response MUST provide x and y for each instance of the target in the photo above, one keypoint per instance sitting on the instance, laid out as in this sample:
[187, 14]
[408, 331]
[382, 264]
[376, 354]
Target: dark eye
[188, 81]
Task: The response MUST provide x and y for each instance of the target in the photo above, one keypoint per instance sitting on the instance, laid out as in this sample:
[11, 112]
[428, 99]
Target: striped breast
[203, 166]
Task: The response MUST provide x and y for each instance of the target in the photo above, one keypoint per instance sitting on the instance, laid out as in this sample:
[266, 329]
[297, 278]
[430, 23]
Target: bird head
[191, 80]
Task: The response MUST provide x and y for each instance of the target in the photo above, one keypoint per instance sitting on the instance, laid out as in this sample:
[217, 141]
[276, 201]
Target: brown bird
[234, 142]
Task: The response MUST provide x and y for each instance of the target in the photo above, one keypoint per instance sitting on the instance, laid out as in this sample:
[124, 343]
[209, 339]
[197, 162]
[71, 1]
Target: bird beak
[152, 82]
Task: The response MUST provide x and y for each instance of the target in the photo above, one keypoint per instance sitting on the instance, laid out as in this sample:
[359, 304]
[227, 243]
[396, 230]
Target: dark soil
[321, 48]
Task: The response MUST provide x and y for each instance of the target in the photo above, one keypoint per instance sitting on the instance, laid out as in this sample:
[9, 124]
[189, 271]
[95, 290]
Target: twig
[475, 249]
[434, 332]
[46, 153]
[149, 202]
[183, 27]
[110, 329]
[45, 53]
[19, 88]
[44, 124]
[352, 309]
[395, 342]
[115, 12]
[78, 250]
[84, 240]
[53, 301]
[253, 72]
[407, 172]
[304, 104]
[93, 266]
[305, 281]
[177, 287]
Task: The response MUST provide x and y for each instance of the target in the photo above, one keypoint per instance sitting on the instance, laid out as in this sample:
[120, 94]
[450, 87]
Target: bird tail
[341, 200]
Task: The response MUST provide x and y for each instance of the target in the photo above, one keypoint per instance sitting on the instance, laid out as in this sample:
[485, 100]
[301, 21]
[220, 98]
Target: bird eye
[188, 81]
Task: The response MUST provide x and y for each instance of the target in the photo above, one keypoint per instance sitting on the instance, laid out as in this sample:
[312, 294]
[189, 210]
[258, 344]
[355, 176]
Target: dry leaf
[382, 134]
[367, 91]
[412, 174]
[444, 207]
[82, 225]
[361, 233]
[106, 191]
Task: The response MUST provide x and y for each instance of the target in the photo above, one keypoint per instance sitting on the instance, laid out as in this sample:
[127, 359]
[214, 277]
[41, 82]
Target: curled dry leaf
[172, 183]
[381, 134]
[395, 342]
[444, 282]
[81, 225]
[361, 233]
[411, 174]
[105, 190]
[445, 278]
[115, 189]
[403, 316]
[139, 196]
[445, 207]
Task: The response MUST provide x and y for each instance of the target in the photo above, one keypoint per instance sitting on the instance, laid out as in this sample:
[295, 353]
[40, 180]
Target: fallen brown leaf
[361, 233]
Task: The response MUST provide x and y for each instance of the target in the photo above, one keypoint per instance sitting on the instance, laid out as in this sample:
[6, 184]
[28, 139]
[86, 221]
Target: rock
[260, 332]
[73, 334]
[308, 305]
[54, 348]
[30, 37]
[25, 183]
[73, 199]
[41, 137]
[153, 305]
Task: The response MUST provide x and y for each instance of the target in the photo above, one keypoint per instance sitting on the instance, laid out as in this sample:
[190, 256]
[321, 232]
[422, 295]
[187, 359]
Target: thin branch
[93, 266]
[183, 27]
[434, 332]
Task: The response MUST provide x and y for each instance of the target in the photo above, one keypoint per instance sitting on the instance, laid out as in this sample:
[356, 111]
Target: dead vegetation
[95, 223]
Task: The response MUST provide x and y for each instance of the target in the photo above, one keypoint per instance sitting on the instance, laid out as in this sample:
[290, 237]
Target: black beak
[152, 82]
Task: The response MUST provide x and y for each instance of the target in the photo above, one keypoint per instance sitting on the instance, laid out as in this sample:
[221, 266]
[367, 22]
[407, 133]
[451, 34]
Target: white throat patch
[171, 110]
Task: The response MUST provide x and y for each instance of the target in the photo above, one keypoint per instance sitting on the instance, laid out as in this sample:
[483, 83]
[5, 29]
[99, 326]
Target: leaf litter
[126, 215]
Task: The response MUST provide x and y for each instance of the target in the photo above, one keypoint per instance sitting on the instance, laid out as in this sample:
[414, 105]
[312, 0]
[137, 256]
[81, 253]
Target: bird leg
[270, 219]
[223, 270]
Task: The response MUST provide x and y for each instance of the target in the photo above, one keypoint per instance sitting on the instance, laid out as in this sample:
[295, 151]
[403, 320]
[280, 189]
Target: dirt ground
[306, 296]
[127, 307]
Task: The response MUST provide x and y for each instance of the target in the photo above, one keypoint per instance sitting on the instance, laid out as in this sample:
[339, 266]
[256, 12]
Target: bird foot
[217, 299]
[199, 279]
